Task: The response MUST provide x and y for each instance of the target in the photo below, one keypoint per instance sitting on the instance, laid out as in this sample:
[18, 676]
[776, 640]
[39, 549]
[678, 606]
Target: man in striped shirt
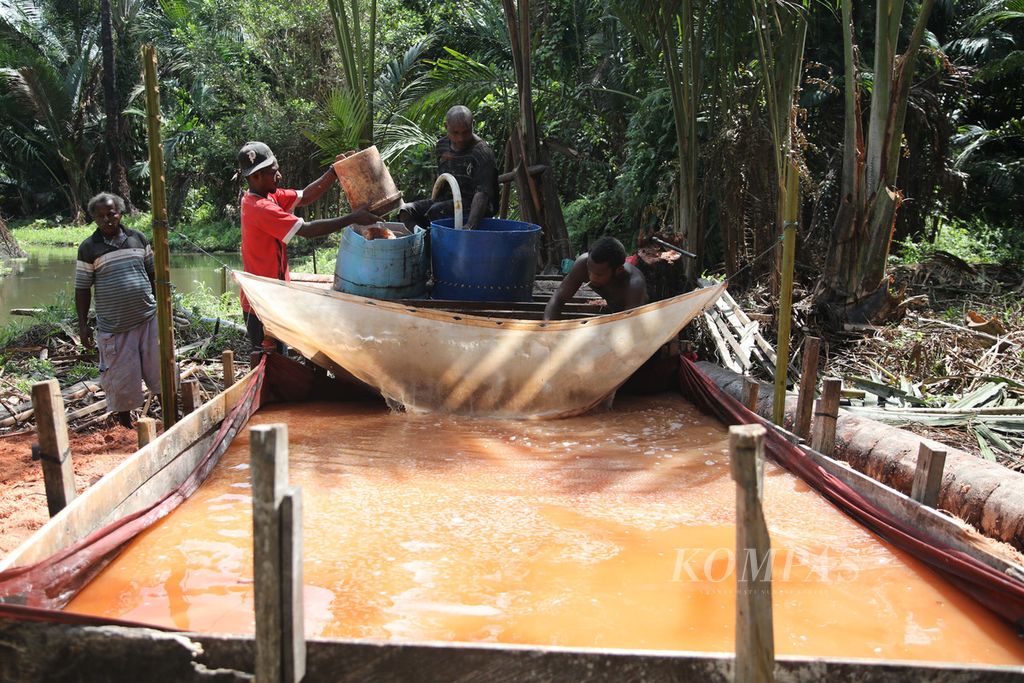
[118, 263]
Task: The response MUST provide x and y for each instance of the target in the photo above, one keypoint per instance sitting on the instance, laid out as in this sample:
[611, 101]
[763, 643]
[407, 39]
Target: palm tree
[862, 232]
[48, 85]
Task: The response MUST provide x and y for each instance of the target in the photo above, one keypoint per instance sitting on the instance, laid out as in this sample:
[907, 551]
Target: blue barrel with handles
[496, 261]
[383, 268]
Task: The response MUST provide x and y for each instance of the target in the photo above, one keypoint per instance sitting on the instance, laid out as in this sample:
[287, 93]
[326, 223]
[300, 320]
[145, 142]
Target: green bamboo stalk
[791, 212]
[161, 256]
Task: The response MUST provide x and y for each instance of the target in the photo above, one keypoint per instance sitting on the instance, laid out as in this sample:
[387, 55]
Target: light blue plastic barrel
[382, 268]
[496, 261]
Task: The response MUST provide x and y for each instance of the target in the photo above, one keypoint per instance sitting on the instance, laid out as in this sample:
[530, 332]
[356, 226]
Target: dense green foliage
[232, 70]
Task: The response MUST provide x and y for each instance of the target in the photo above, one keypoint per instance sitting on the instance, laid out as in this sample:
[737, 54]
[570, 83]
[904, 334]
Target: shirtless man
[621, 284]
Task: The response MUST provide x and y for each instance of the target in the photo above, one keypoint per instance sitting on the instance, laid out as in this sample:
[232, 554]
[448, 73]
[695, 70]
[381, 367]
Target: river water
[613, 530]
[37, 280]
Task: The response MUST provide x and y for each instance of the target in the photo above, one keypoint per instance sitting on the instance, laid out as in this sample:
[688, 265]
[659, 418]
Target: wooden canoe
[437, 361]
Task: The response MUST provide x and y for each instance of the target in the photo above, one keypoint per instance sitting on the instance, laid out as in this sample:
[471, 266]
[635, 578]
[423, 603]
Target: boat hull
[437, 361]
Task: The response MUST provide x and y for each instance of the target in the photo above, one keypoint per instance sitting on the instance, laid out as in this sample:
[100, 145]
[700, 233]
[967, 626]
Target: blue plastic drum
[495, 262]
[382, 268]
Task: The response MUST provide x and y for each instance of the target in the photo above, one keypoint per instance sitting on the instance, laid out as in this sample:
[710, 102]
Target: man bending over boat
[465, 156]
[118, 263]
[604, 267]
[269, 222]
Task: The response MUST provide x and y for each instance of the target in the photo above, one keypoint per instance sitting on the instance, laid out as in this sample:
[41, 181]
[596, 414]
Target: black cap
[253, 157]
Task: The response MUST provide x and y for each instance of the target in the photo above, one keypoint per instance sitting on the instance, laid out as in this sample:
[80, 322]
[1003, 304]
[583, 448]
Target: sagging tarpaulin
[998, 592]
[50, 583]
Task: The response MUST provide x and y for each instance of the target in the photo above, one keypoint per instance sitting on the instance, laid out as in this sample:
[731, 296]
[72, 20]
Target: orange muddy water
[613, 530]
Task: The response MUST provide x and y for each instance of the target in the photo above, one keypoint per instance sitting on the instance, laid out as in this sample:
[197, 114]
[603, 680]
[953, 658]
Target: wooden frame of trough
[59, 652]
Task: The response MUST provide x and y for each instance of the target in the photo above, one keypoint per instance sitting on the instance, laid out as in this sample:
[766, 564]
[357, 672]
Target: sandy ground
[22, 496]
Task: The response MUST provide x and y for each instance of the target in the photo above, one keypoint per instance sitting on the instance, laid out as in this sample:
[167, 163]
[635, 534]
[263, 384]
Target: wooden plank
[54, 448]
[928, 475]
[294, 635]
[723, 349]
[268, 467]
[755, 647]
[742, 355]
[808, 382]
[129, 655]
[121, 488]
[826, 413]
[146, 430]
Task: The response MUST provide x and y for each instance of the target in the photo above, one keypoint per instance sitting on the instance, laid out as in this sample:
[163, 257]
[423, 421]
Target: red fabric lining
[993, 589]
[50, 583]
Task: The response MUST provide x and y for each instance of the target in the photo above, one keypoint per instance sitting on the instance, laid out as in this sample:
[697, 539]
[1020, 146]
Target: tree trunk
[863, 229]
[117, 174]
[8, 245]
[538, 197]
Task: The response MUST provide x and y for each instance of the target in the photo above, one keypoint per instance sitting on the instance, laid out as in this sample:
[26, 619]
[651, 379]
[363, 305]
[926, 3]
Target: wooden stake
[54, 449]
[293, 635]
[808, 382]
[146, 430]
[751, 393]
[275, 572]
[826, 412]
[190, 398]
[161, 253]
[755, 647]
[928, 475]
[227, 359]
[224, 278]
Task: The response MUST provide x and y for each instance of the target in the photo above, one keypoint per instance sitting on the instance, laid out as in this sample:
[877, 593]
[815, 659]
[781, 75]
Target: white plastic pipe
[456, 195]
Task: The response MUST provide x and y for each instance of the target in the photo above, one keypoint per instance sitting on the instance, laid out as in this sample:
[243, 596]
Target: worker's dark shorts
[424, 211]
[254, 329]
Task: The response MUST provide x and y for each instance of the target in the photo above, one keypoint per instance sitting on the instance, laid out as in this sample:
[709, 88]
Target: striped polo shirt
[120, 269]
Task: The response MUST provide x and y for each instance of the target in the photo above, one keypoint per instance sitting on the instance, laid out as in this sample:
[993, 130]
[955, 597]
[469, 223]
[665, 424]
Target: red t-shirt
[268, 224]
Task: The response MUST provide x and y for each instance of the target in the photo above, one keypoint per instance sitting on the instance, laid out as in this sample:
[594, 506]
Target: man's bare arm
[478, 209]
[325, 226]
[567, 289]
[83, 298]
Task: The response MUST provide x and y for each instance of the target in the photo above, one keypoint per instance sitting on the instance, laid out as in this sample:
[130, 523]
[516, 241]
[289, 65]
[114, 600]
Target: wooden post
[791, 218]
[161, 254]
[146, 429]
[223, 280]
[751, 393]
[808, 381]
[277, 573]
[227, 359]
[826, 412]
[755, 646]
[928, 475]
[54, 449]
[190, 398]
[293, 635]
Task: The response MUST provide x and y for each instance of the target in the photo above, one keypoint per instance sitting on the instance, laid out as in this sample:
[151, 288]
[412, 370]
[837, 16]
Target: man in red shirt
[269, 221]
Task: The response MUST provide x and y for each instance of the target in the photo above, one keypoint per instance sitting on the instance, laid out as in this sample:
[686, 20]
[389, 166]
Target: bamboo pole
[168, 381]
[755, 648]
[790, 214]
[54, 450]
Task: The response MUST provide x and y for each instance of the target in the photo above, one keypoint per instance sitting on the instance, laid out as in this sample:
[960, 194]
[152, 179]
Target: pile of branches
[52, 349]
